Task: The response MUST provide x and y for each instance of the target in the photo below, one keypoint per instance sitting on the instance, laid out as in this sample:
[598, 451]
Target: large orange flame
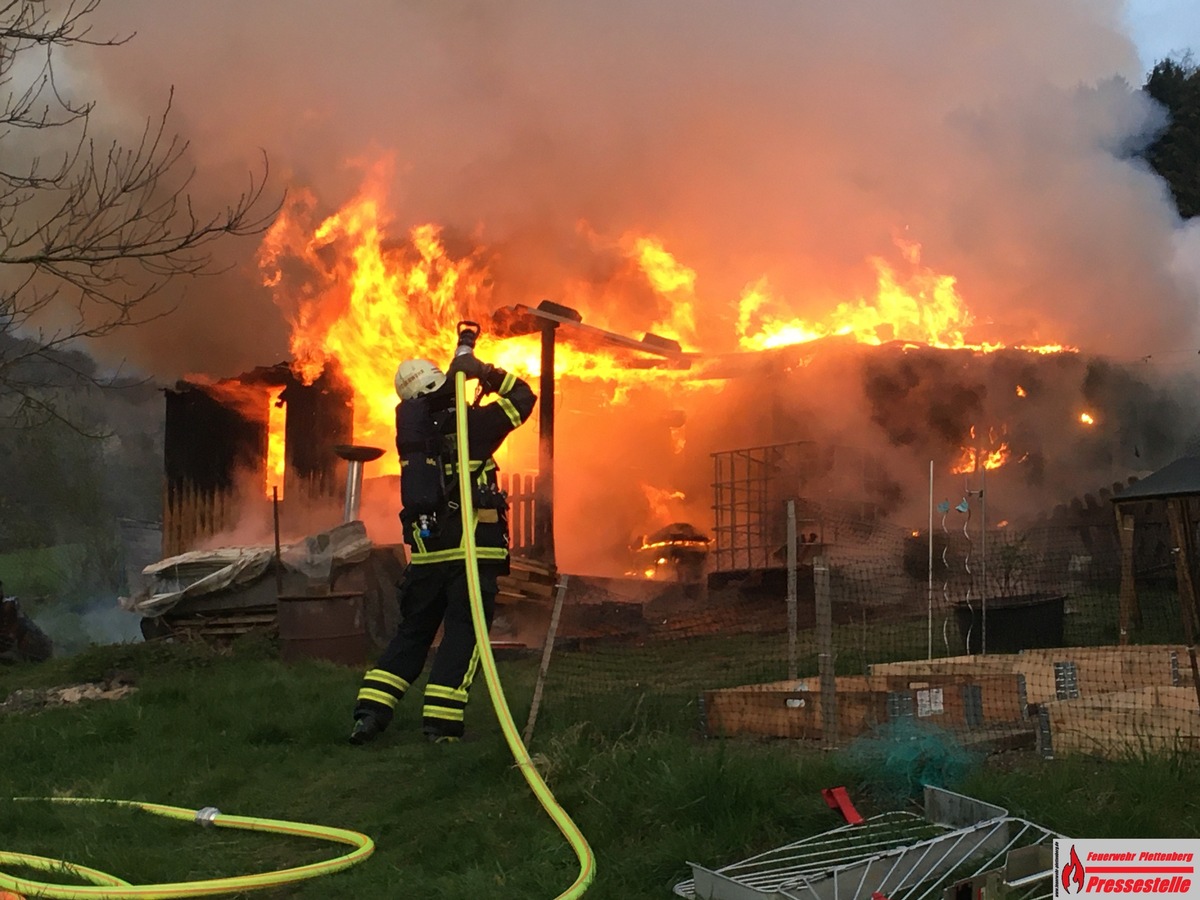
[276, 426]
[355, 292]
[923, 308]
[370, 302]
[671, 280]
[366, 303]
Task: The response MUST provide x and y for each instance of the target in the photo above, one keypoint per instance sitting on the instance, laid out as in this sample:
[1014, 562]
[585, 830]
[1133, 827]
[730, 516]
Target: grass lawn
[254, 737]
[39, 571]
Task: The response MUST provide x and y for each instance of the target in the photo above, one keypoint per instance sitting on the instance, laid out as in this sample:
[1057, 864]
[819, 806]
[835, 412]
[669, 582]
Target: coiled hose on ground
[109, 887]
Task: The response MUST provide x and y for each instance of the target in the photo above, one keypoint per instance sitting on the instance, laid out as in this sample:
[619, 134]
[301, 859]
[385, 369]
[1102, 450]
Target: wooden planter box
[1064, 673]
[1122, 723]
[793, 709]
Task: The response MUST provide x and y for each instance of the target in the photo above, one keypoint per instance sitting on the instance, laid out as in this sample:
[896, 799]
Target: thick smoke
[779, 139]
[771, 139]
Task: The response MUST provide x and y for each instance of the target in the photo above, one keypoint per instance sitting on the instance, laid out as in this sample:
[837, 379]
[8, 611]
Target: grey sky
[1164, 27]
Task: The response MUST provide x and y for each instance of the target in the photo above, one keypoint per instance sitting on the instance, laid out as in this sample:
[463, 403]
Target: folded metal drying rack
[958, 846]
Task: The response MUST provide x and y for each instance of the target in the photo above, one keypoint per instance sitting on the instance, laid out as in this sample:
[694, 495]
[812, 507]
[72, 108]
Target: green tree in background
[1175, 153]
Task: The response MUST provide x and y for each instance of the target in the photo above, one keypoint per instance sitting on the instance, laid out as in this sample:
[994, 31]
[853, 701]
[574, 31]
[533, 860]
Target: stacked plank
[224, 626]
[527, 581]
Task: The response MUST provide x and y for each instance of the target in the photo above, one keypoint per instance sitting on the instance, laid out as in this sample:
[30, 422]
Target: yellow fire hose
[109, 887]
[583, 852]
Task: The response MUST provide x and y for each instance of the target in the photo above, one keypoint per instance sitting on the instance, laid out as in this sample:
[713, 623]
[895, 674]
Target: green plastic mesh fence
[1003, 637]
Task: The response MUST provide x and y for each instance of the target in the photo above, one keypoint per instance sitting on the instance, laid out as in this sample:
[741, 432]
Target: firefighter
[433, 591]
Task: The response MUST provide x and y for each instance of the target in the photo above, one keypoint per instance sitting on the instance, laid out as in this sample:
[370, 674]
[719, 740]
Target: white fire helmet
[415, 377]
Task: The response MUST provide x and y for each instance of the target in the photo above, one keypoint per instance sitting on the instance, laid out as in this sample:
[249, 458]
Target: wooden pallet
[222, 627]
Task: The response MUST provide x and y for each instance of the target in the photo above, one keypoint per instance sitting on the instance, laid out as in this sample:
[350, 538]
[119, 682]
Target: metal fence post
[793, 663]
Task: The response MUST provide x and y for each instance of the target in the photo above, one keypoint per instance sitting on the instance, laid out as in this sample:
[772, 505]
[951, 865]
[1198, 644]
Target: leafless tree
[89, 228]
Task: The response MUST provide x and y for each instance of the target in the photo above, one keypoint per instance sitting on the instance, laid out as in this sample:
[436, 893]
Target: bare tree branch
[90, 233]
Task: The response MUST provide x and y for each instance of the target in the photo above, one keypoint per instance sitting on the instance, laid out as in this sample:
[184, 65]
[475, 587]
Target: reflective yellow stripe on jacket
[422, 556]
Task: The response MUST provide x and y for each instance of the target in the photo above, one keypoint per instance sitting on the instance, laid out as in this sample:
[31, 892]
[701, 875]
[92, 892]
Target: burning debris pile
[676, 552]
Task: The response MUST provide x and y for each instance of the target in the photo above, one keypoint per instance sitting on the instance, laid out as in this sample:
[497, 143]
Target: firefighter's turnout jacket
[488, 424]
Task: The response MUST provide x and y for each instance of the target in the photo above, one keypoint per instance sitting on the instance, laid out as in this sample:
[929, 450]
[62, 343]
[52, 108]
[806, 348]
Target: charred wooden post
[1130, 611]
[543, 516]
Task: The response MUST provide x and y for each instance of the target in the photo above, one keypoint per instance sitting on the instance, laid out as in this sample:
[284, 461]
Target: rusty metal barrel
[330, 626]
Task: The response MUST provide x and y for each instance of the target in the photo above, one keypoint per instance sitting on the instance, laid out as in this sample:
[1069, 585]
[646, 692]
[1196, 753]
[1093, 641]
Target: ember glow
[1086, 418]
[1021, 391]
[972, 459]
[662, 501]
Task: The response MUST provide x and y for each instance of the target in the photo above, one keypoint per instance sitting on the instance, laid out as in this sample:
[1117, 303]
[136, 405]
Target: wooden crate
[1119, 724]
[792, 709]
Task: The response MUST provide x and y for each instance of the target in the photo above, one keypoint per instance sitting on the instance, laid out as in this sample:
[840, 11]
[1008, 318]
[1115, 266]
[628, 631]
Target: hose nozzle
[468, 334]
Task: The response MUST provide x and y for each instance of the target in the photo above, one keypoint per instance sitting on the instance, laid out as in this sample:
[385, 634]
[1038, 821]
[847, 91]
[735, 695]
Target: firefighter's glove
[468, 365]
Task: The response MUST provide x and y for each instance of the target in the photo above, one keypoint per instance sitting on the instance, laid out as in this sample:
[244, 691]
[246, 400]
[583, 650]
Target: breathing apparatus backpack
[423, 449]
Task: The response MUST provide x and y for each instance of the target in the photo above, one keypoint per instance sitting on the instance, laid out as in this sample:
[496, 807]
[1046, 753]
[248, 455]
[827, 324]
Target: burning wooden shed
[234, 443]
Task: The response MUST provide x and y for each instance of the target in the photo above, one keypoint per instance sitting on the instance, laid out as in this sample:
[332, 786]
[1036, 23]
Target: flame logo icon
[1072, 872]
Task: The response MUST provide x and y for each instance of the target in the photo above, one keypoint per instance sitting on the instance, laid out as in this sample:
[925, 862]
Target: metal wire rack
[959, 848]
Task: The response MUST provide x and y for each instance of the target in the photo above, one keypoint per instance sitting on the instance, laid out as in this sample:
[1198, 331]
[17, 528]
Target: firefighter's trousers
[431, 595]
